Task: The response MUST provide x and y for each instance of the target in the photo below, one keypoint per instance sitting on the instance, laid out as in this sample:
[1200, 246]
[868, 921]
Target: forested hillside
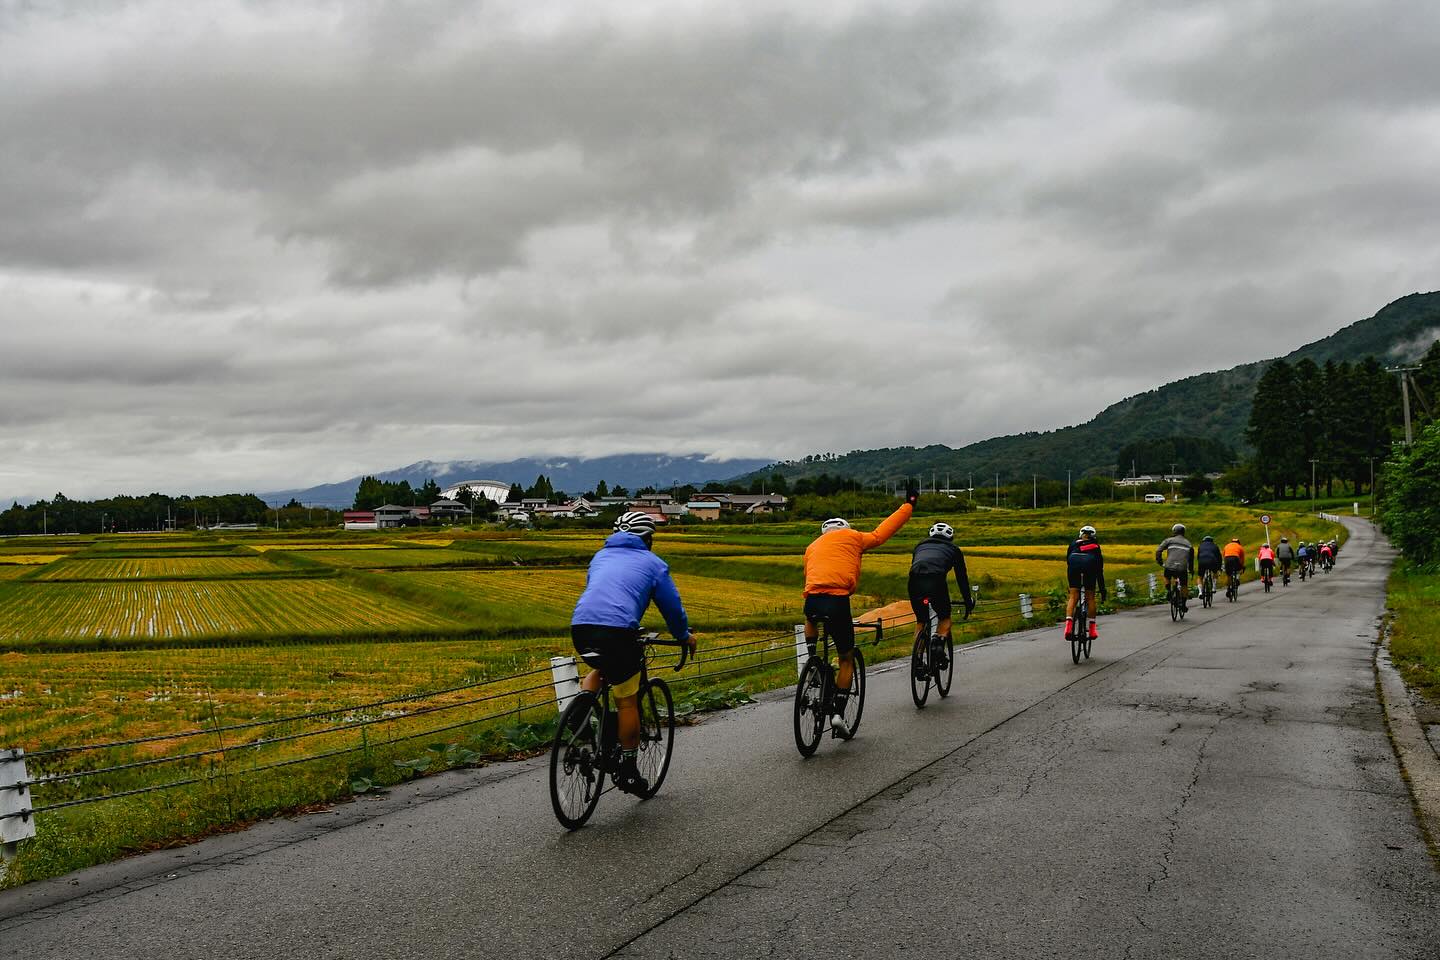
[1208, 406]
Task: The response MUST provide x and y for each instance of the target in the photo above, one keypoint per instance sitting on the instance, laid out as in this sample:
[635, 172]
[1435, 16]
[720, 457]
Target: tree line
[1331, 423]
[156, 511]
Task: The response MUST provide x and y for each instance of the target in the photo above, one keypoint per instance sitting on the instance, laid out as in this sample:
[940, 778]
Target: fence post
[879, 629]
[1026, 610]
[1119, 589]
[1152, 585]
[566, 677]
[16, 819]
[802, 649]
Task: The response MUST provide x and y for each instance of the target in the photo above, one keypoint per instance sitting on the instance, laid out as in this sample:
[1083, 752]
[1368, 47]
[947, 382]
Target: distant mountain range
[1214, 406]
[572, 474]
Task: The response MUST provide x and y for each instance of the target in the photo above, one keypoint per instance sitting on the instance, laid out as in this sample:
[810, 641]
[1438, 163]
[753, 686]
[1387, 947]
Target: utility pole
[997, 490]
[1067, 488]
[1372, 488]
[1034, 491]
[1172, 483]
[1313, 461]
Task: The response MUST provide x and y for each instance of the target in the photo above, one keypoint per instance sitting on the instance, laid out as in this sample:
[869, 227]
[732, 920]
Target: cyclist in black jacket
[934, 557]
[1085, 569]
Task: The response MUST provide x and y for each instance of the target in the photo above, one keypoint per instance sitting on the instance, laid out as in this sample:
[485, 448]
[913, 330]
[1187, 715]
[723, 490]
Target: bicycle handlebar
[684, 645]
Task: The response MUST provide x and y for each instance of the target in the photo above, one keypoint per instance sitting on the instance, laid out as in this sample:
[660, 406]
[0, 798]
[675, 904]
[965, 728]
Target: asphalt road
[1219, 788]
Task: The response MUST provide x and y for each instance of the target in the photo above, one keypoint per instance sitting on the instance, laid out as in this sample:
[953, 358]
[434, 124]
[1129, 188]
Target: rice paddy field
[255, 672]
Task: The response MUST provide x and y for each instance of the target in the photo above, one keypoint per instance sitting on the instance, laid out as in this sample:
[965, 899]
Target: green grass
[1414, 600]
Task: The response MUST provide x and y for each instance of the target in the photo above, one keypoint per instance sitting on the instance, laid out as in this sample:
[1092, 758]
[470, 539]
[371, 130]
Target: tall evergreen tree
[1273, 429]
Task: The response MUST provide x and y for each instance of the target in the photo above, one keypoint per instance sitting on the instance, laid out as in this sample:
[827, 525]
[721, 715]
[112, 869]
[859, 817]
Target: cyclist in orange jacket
[1234, 555]
[832, 572]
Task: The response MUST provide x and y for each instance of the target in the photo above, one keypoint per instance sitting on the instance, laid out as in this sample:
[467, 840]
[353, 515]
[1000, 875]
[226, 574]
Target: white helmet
[1087, 531]
[943, 529]
[835, 523]
[640, 524]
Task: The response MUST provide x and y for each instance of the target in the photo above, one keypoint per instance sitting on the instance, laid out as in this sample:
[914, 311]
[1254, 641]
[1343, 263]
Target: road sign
[1265, 519]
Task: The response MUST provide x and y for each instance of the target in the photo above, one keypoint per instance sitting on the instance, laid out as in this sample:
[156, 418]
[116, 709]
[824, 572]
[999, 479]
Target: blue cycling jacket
[624, 577]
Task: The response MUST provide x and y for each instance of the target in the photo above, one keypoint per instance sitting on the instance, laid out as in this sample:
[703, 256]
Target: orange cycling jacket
[1234, 550]
[832, 563]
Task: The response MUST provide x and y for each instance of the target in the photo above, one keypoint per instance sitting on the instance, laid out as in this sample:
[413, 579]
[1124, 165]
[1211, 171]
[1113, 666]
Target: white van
[1154, 498]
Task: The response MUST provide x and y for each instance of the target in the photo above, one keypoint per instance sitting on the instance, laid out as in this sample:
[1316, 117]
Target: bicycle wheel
[809, 707]
[1077, 636]
[1085, 645]
[577, 774]
[855, 703]
[657, 734]
[1174, 604]
[944, 678]
[920, 669]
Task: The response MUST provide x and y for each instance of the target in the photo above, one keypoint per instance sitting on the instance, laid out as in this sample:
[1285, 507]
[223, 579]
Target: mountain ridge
[1214, 406]
[573, 474]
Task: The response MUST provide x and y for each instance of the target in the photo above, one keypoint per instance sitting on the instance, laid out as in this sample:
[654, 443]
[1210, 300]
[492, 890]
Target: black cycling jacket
[936, 556]
[1208, 554]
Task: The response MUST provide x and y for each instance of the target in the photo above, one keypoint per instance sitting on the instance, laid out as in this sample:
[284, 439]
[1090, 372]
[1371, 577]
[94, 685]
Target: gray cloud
[255, 245]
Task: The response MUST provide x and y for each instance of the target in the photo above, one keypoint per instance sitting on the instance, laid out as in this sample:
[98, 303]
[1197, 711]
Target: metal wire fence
[61, 785]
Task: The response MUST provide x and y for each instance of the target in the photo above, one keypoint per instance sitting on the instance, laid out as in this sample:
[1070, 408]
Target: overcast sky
[248, 246]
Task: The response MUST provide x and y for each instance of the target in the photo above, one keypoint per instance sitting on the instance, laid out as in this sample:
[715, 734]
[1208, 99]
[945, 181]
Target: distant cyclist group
[629, 741]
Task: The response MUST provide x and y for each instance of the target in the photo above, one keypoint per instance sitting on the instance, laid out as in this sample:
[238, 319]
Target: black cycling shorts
[835, 611]
[615, 651]
[1234, 565]
[1203, 565]
[1267, 566]
[936, 589]
[1082, 577]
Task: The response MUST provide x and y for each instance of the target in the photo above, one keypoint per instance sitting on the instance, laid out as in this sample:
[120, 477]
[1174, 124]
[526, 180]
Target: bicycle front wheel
[657, 734]
[943, 678]
[920, 669]
[577, 774]
[855, 703]
[1174, 608]
[809, 707]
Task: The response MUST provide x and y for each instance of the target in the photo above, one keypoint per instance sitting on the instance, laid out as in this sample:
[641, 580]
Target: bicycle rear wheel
[855, 703]
[1077, 637]
[920, 669]
[657, 734]
[1174, 604]
[809, 707]
[577, 774]
[944, 678]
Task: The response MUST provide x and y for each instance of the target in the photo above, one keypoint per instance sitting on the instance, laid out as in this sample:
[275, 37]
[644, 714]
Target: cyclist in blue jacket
[624, 577]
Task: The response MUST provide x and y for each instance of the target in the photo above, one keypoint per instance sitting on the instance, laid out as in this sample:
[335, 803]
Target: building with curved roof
[493, 490]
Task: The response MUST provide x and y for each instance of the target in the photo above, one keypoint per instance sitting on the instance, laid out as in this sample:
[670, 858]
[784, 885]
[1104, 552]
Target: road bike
[586, 748]
[1207, 589]
[1267, 576]
[932, 660]
[815, 694]
[1232, 586]
[1175, 593]
[1284, 574]
[1327, 563]
[1080, 639]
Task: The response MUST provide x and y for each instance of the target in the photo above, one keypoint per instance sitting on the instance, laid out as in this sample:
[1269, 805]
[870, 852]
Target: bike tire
[855, 703]
[577, 772]
[920, 669]
[1077, 636]
[1174, 610]
[809, 707]
[1085, 646]
[945, 678]
[657, 734]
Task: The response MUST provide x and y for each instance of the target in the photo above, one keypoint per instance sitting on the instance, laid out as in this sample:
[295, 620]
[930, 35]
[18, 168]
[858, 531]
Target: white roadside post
[1026, 610]
[565, 674]
[802, 649]
[1119, 589]
[17, 821]
[1152, 585]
